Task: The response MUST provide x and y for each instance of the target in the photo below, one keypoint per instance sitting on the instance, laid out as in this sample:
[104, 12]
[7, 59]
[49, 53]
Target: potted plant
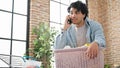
[106, 66]
[42, 44]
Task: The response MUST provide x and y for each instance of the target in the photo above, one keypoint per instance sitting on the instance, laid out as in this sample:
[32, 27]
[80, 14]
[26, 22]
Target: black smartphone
[69, 21]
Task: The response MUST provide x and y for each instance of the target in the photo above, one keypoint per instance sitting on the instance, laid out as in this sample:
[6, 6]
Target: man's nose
[73, 15]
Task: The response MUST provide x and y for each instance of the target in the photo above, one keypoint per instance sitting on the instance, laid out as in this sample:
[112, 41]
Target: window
[14, 27]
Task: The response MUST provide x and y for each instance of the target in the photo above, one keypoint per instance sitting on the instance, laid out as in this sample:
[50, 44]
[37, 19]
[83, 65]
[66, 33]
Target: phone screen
[69, 21]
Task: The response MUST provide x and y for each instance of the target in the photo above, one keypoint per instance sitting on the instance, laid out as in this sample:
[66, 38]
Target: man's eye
[71, 13]
[77, 12]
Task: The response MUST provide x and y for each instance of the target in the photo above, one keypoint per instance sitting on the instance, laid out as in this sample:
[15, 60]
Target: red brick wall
[107, 12]
[39, 12]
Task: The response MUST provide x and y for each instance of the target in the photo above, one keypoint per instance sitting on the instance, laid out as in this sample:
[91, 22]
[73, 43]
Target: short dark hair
[80, 7]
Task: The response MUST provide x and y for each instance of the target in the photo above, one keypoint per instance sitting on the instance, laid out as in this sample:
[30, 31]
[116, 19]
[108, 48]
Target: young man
[81, 31]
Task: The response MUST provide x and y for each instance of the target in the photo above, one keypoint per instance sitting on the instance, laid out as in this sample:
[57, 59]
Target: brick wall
[39, 12]
[107, 12]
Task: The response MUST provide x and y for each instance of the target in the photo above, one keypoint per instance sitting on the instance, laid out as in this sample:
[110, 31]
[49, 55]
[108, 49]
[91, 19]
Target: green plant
[42, 44]
[106, 66]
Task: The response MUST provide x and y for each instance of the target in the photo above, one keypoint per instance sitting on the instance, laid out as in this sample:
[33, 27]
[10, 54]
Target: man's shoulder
[92, 22]
[72, 26]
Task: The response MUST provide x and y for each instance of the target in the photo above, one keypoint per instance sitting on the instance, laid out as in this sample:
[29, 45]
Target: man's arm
[60, 41]
[99, 36]
[99, 41]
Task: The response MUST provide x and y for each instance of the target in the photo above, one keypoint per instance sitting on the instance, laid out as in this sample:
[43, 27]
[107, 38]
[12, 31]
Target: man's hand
[92, 50]
[66, 25]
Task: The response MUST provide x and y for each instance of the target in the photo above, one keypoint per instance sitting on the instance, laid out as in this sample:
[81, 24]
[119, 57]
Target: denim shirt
[68, 38]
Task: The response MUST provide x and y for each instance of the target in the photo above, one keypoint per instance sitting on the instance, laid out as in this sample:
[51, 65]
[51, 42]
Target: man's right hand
[66, 24]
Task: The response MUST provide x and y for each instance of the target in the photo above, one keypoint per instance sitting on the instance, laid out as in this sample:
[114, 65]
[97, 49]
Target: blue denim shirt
[94, 33]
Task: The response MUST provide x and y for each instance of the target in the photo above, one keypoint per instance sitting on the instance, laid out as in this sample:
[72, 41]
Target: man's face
[76, 16]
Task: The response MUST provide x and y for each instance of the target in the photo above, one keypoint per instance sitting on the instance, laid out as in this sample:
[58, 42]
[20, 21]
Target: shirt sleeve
[60, 40]
[99, 35]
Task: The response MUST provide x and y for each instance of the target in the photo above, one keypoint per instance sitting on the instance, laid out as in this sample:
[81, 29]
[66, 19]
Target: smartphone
[69, 21]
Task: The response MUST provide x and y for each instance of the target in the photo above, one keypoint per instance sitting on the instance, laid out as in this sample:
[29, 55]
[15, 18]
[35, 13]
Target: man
[82, 31]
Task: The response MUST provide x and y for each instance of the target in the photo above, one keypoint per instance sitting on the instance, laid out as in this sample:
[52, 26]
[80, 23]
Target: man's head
[80, 7]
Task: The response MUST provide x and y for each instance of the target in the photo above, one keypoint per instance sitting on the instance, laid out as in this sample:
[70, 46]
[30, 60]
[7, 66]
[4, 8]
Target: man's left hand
[92, 50]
